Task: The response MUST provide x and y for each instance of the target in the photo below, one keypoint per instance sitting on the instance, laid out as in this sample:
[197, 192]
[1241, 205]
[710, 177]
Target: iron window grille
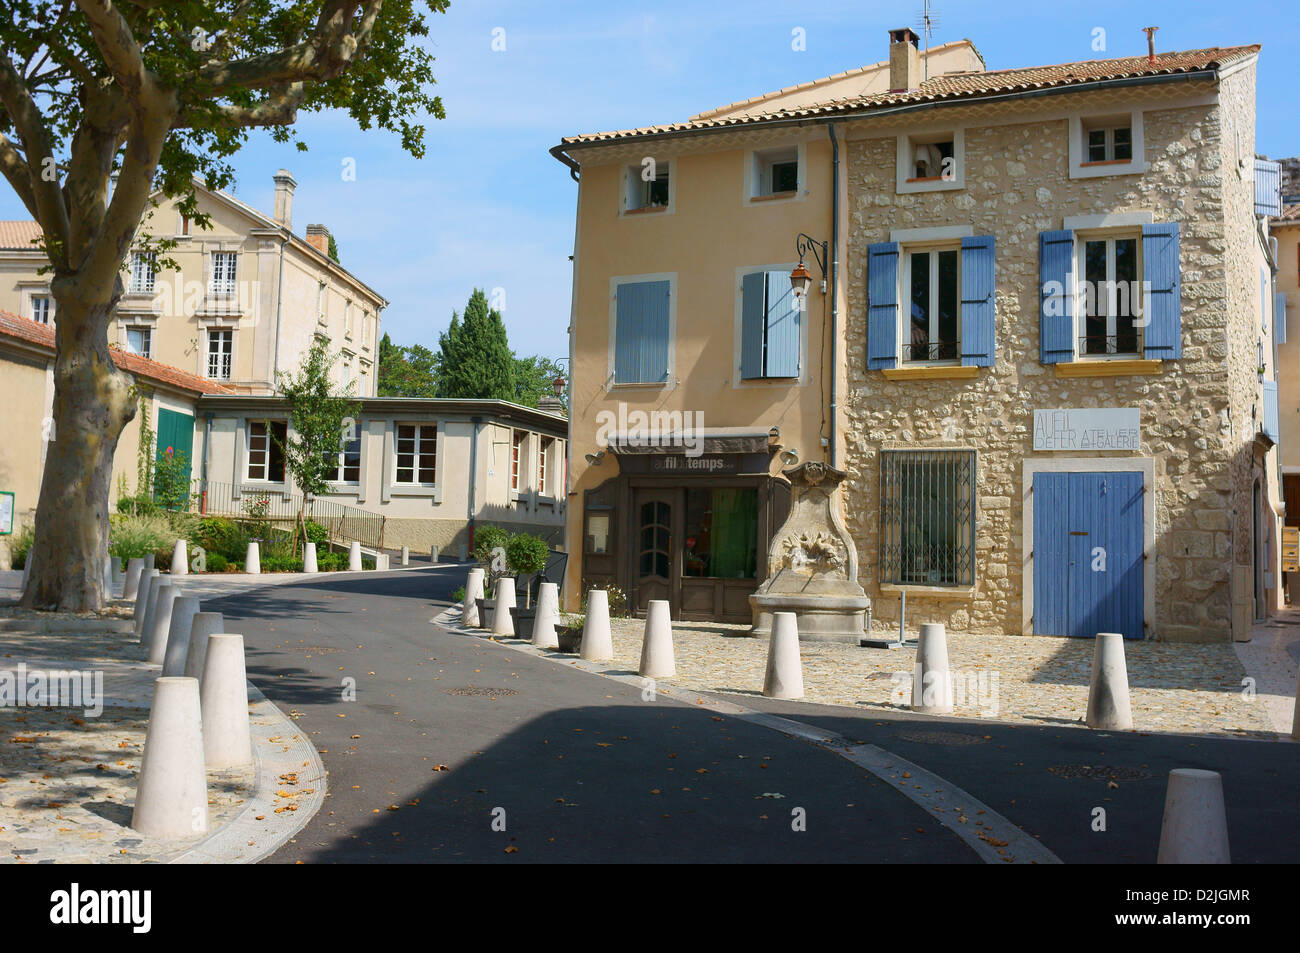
[927, 517]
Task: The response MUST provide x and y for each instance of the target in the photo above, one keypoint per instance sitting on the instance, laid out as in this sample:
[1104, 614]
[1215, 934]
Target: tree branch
[42, 175]
[14, 168]
[116, 43]
[280, 108]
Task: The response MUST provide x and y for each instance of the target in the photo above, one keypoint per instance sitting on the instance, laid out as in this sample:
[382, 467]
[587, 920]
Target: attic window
[647, 187]
[775, 172]
[1108, 143]
[931, 161]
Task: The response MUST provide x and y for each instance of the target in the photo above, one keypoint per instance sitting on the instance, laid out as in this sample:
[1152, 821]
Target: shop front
[691, 529]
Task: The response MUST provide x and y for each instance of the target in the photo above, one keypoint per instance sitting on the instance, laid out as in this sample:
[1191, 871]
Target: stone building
[1070, 426]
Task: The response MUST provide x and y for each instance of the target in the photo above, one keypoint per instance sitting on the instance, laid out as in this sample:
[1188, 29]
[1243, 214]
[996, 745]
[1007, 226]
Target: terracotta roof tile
[12, 325]
[19, 234]
[957, 86]
[1290, 215]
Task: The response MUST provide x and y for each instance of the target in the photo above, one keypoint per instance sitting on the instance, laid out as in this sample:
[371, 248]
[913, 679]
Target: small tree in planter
[526, 556]
[487, 539]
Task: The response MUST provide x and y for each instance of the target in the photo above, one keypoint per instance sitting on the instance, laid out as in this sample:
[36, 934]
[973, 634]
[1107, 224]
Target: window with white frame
[221, 349]
[347, 373]
[1109, 294]
[223, 273]
[931, 161]
[139, 340]
[320, 302]
[344, 463]
[142, 273]
[932, 283]
[1106, 145]
[1107, 141]
[347, 318]
[266, 439]
[42, 308]
[417, 454]
[365, 328]
[775, 172]
[365, 381]
[544, 466]
[517, 439]
[647, 186]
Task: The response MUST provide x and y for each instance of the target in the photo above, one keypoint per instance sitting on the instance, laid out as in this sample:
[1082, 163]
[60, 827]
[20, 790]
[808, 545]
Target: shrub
[486, 539]
[316, 533]
[20, 545]
[136, 536]
[280, 563]
[217, 562]
[458, 595]
[617, 601]
[526, 554]
[171, 481]
[330, 561]
[162, 559]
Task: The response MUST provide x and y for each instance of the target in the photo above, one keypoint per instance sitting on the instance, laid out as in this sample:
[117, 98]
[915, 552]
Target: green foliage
[458, 595]
[486, 539]
[526, 554]
[617, 602]
[475, 355]
[217, 562]
[144, 459]
[316, 419]
[171, 482]
[219, 535]
[315, 533]
[407, 371]
[331, 561]
[20, 544]
[333, 248]
[534, 379]
[282, 563]
[135, 536]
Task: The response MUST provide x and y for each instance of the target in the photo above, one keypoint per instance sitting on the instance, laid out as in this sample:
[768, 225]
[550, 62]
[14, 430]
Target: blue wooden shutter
[1279, 317]
[1270, 409]
[752, 319]
[1161, 272]
[782, 326]
[882, 306]
[641, 332]
[977, 311]
[1056, 296]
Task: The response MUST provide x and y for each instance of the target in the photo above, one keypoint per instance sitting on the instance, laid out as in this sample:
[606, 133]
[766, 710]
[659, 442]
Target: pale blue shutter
[882, 306]
[1161, 272]
[1270, 409]
[782, 326]
[1279, 317]
[641, 333]
[752, 318]
[977, 311]
[1056, 294]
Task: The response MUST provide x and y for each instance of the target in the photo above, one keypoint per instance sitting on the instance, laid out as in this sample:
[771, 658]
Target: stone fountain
[812, 565]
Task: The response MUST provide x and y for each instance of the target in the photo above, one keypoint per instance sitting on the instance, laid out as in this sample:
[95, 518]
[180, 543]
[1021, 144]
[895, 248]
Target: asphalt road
[427, 764]
[450, 738]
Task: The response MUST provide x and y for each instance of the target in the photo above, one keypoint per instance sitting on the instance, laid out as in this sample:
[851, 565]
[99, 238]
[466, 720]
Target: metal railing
[936, 351]
[1128, 342]
[343, 523]
[927, 517]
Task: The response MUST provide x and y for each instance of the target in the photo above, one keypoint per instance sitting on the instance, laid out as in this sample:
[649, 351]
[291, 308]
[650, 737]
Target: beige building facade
[1042, 354]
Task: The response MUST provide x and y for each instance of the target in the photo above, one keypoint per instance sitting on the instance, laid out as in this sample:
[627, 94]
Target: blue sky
[489, 207]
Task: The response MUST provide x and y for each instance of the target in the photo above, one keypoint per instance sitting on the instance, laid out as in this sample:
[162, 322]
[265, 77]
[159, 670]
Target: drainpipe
[473, 472]
[835, 299]
[279, 297]
[203, 477]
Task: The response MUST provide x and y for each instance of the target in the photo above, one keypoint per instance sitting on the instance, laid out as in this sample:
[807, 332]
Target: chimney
[318, 236]
[284, 186]
[904, 60]
[1150, 31]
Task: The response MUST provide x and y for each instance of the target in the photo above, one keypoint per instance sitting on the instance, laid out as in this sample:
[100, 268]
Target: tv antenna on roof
[927, 21]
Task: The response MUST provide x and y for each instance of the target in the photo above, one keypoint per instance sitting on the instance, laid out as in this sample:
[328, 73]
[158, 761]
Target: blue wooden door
[1088, 554]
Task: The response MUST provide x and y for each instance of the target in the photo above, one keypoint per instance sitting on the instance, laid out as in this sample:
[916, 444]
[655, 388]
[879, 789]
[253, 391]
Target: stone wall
[1017, 186]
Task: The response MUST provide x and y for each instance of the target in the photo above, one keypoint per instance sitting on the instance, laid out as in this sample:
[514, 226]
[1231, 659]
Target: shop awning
[702, 440]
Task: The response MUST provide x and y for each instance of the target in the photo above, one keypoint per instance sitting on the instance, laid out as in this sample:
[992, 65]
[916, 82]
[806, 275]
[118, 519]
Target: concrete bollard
[473, 592]
[309, 558]
[131, 588]
[1108, 704]
[205, 624]
[548, 614]
[406, 556]
[148, 578]
[597, 641]
[1194, 829]
[149, 561]
[184, 609]
[168, 593]
[503, 600]
[784, 677]
[180, 559]
[108, 577]
[224, 695]
[119, 576]
[156, 581]
[657, 643]
[354, 557]
[381, 562]
[171, 798]
[931, 680]
[253, 558]
[433, 554]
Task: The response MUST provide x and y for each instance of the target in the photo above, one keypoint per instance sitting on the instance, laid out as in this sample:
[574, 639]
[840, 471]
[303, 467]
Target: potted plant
[526, 556]
[569, 632]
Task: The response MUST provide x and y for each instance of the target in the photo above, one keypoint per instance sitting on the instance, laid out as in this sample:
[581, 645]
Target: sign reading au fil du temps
[1088, 428]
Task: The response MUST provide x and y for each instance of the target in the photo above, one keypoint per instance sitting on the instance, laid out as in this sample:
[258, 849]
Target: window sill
[634, 385]
[648, 210]
[1100, 162]
[1103, 368]
[774, 197]
[933, 592]
[943, 372]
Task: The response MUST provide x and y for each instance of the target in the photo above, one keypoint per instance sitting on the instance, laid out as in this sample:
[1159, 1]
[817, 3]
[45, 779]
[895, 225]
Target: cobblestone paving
[68, 777]
[1040, 680]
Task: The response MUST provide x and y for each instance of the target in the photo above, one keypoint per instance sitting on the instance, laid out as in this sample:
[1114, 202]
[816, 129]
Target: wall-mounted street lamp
[790, 457]
[595, 459]
[557, 387]
[801, 277]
